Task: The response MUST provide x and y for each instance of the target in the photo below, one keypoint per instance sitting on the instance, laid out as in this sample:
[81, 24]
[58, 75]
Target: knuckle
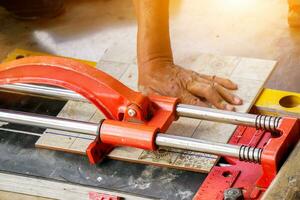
[218, 99]
[208, 88]
[216, 84]
[228, 81]
[221, 105]
[189, 99]
[184, 97]
[196, 101]
[195, 74]
[230, 95]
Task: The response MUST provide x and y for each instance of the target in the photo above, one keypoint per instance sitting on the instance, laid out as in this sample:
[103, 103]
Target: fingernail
[237, 100]
[229, 107]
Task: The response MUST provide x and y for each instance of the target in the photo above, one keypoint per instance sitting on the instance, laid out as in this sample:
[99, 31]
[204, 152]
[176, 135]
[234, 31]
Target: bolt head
[233, 194]
[131, 112]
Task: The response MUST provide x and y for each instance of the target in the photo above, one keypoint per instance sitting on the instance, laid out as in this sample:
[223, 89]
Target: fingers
[210, 93]
[226, 83]
[220, 85]
[188, 98]
[222, 81]
[227, 95]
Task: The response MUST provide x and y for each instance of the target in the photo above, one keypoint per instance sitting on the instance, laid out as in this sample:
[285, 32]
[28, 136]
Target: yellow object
[294, 13]
[277, 102]
[21, 53]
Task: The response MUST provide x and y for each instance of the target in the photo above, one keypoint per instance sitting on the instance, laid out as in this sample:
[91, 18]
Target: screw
[233, 194]
[131, 112]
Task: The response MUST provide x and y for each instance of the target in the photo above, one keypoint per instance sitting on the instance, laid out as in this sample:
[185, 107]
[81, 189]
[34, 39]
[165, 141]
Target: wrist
[150, 69]
[154, 62]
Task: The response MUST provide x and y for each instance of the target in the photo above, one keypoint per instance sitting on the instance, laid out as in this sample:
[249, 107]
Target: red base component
[109, 95]
[252, 178]
[101, 196]
[97, 151]
[138, 134]
[128, 134]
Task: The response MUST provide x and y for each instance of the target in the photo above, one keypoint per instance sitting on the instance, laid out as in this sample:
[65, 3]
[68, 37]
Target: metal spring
[250, 154]
[269, 123]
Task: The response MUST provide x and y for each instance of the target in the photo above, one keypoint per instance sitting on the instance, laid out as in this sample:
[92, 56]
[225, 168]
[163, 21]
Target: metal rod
[241, 152]
[259, 121]
[42, 90]
[197, 145]
[48, 122]
[246, 153]
[215, 115]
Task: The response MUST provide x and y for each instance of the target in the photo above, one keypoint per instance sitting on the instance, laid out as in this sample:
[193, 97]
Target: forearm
[153, 42]
[158, 74]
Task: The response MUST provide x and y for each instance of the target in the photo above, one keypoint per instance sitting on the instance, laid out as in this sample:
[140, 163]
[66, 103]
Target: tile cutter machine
[255, 152]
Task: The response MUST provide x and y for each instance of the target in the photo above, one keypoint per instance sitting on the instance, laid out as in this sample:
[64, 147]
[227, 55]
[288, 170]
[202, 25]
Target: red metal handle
[105, 92]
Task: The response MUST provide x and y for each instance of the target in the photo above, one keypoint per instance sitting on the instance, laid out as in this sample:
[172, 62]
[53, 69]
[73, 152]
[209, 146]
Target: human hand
[168, 79]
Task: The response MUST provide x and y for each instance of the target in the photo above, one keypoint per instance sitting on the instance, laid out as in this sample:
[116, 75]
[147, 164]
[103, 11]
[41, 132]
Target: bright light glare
[237, 4]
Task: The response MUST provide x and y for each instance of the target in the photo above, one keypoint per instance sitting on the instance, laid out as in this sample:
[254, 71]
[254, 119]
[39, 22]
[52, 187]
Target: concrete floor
[102, 29]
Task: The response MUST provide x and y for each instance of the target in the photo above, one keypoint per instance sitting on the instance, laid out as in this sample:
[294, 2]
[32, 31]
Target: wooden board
[41, 189]
[16, 196]
[248, 72]
[286, 184]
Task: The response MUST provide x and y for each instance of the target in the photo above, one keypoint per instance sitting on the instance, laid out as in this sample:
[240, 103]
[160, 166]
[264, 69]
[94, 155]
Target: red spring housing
[253, 179]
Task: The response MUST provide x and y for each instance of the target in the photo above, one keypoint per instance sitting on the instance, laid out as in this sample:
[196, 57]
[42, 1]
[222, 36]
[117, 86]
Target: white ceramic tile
[247, 89]
[244, 108]
[254, 69]
[80, 145]
[183, 127]
[122, 50]
[214, 131]
[130, 77]
[72, 110]
[56, 139]
[77, 110]
[97, 117]
[209, 64]
[115, 69]
[186, 61]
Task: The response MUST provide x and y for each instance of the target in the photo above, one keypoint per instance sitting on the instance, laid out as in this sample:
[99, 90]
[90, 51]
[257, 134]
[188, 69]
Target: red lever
[105, 92]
